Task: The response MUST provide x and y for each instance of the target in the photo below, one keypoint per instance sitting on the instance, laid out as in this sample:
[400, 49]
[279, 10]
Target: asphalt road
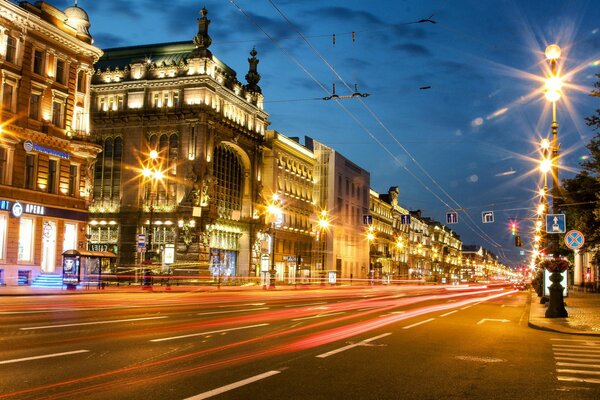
[409, 342]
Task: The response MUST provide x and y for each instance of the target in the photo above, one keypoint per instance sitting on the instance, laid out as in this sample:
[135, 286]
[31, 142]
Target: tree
[582, 193]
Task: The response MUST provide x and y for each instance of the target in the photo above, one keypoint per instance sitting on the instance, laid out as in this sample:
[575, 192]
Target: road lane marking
[588, 341]
[66, 353]
[465, 307]
[480, 359]
[307, 304]
[232, 386]
[207, 333]
[492, 319]
[318, 316]
[564, 364]
[449, 313]
[573, 379]
[578, 355]
[573, 351]
[418, 323]
[90, 323]
[577, 371]
[232, 311]
[350, 346]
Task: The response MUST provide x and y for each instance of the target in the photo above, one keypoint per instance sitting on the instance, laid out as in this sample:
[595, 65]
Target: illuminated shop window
[26, 233]
[70, 239]
[2, 235]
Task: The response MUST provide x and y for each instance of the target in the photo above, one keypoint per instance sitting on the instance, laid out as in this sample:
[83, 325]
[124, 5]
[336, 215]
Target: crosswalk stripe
[565, 364]
[568, 346]
[577, 359]
[578, 355]
[596, 352]
[574, 379]
[576, 371]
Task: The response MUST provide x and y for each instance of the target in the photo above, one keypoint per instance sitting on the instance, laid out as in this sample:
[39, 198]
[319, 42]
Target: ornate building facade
[182, 157]
[288, 174]
[46, 61]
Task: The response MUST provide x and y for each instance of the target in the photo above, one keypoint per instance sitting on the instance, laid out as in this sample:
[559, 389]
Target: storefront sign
[28, 145]
[18, 208]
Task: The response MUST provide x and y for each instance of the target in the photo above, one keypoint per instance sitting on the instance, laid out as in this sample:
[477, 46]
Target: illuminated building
[419, 242]
[445, 252]
[342, 190]
[288, 173]
[209, 131]
[46, 61]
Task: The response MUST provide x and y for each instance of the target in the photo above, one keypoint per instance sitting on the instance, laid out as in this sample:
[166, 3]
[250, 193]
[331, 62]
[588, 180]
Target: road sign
[452, 217]
[487, 217]
[405, 219]
[367, 219]
[555, 223]
[574, 239]
[141, 239]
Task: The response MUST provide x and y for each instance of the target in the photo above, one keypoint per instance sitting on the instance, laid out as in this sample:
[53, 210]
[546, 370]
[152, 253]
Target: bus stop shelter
[86, 266]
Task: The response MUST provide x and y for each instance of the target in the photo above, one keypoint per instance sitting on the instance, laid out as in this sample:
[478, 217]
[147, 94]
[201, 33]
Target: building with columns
[46, 61]
[182, 158]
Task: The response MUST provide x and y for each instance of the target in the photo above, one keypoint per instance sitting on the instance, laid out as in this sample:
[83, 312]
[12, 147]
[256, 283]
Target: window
[107, 173]
[38, 61]
[34, 106]
[57, 114]
[26, 235]
[11, 49]
[30, 173]
[3, 162]
[228, 180]
[60, 71]
[2, 235]
[176, 99]
[7, 97]
[73, 180]
[52, 175]
[81, 83]
[70, 238]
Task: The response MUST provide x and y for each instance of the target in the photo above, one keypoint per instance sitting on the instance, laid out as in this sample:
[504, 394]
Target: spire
[253, 77]
[202, 40]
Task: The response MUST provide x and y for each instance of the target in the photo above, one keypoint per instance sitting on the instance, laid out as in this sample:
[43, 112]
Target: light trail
[311, 340]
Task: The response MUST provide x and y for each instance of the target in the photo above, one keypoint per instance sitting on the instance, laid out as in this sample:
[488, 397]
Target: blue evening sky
[467, 142]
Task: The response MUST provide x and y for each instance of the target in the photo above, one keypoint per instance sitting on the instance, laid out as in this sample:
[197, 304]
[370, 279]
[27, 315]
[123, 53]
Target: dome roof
[76, 13]
[78, 19]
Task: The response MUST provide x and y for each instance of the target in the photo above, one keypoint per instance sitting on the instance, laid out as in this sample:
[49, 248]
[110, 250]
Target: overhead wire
[378, 120]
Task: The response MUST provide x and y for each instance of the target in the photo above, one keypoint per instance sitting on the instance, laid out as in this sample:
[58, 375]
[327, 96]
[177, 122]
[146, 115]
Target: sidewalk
[583, 319]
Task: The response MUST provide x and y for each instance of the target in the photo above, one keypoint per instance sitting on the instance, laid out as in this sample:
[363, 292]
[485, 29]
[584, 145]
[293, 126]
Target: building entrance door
[49, 246]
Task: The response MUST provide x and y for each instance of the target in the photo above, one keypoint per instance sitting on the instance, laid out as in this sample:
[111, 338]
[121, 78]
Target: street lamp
[323, 226]
[152, 174]
[553, 87]
[275, 215]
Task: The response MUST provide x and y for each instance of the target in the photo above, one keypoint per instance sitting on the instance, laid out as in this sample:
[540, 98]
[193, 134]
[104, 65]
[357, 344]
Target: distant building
[196, 205]
[342, 191]
[46, 62]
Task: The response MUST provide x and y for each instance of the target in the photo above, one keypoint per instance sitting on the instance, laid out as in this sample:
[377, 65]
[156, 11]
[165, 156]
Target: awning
[90, 253]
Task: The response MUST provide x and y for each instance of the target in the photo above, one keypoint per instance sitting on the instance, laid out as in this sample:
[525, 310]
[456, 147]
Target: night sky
[455, 108]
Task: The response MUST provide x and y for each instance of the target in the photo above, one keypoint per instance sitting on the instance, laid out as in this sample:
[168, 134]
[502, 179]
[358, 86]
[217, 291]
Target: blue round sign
[574, 239]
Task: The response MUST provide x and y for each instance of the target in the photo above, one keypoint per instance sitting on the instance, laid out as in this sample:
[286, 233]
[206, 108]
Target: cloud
[108, 40]
[413, 49]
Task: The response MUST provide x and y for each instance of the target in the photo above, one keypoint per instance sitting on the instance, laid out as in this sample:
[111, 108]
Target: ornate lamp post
[153, 175]
[275, 215]
[323, 226]
[555, 266]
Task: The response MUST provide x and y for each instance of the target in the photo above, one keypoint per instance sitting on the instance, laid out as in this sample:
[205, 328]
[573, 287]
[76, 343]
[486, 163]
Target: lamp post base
[556, 306]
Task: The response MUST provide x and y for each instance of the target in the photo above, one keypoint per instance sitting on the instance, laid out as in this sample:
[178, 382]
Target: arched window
[228, 180]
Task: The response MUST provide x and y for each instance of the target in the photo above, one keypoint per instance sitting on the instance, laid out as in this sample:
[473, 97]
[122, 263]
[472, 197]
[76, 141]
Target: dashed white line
[90, 323]
[66, 353]
[332, 352]
[465, 307]
[231, 386]
[207, 333]
[308, 304]
[449, 313]
[232, 311]
[418, 323]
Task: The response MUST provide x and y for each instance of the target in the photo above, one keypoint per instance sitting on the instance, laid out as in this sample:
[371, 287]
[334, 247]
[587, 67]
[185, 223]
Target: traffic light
[518, 242]
[513, 228]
